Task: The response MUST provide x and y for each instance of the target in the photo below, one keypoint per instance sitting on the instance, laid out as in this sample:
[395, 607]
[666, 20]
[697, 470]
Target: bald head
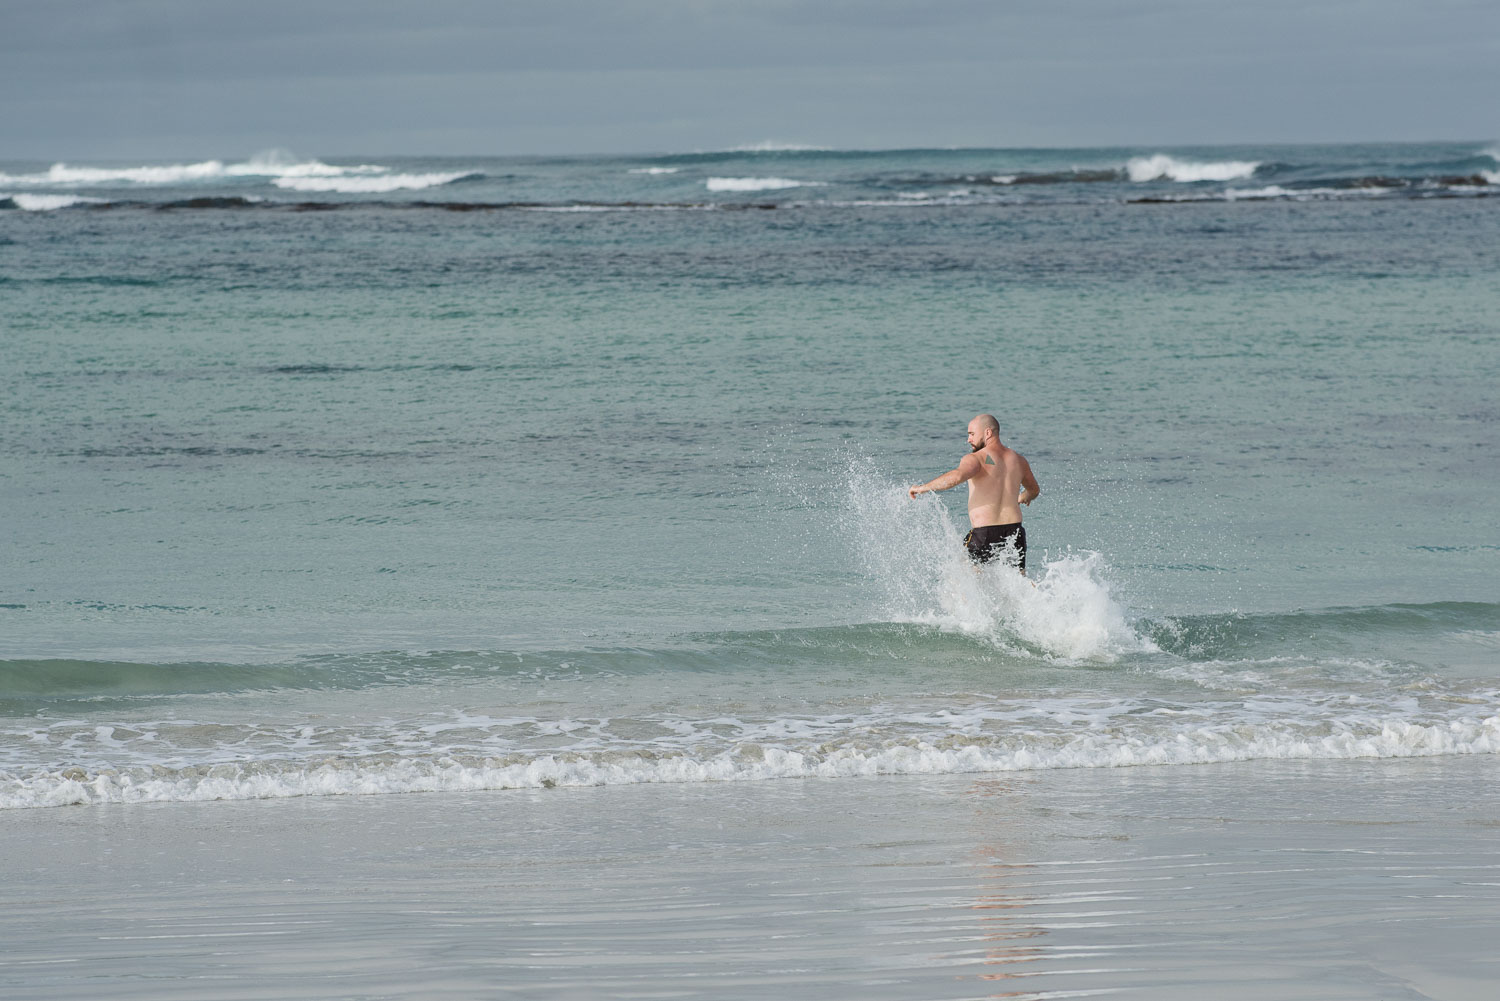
[983, 429]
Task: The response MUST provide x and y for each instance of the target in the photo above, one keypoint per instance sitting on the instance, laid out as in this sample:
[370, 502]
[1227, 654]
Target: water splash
[913, 551]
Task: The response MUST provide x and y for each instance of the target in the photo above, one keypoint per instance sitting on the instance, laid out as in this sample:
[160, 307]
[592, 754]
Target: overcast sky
[161, 79]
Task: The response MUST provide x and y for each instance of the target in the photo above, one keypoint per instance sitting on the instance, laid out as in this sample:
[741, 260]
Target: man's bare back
[1000, 481]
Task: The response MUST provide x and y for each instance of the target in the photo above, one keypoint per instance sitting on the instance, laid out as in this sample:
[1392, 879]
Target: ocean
[525, 481]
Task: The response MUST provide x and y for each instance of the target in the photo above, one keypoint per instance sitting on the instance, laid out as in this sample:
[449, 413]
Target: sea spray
[913, 551]
[1161, 167]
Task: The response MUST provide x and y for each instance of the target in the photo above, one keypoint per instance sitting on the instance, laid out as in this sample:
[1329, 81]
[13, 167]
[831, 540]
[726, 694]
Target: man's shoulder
[970, 461]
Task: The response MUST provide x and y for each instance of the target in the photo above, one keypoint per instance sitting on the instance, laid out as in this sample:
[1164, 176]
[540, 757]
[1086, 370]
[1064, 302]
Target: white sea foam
[1269, 191]
[47, 203]
[653, 170]
[369, 185]
[951, 197]
[1189, 743]
[905, 201]
[753, 183]
[1299, 194]
[1490, 176]
[1161, 167]
[272, 164]
[1273, 192]
[64, 175]
[281, 163]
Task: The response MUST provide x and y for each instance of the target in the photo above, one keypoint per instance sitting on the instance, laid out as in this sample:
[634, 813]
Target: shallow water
[312, 488]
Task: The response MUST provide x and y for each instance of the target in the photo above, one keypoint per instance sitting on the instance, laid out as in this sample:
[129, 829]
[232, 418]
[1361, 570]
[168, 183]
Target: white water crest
[49, 203]
[1274, 192]
[1491, 176]
[1269, 191]
[62, 174]
[369, 185]
[1161, 167]
[280, 163]
[269, 163]
[753, 183]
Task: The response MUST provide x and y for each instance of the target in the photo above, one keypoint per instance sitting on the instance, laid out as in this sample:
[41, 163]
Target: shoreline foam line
[386, 775]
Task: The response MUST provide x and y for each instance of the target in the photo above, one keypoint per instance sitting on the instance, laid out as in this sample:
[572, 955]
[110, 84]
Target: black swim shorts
[992, 542]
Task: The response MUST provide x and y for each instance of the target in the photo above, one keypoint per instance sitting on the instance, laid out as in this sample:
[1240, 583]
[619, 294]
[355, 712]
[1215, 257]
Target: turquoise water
[312, 484]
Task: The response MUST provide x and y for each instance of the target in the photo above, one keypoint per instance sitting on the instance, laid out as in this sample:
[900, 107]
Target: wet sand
[1316, 880]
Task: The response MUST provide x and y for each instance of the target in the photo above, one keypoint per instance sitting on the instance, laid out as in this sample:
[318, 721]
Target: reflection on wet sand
[1003, 920]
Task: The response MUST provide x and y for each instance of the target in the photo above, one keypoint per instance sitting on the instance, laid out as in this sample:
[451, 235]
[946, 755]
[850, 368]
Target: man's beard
[975, 448]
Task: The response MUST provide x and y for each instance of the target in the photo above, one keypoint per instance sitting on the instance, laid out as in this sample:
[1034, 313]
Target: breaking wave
[377, 184]
[279, 167]
[1187, 691]
[998, 739]
[262, 165]
[46, 203]
[1161, 167]
[753, 183]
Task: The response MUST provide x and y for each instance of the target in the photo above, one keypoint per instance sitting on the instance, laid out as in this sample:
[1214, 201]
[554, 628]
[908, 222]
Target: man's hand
[912, 493]
[1030, 488]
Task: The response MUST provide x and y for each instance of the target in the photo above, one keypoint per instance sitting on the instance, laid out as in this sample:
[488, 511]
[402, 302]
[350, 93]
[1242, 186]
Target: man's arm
[967, 467]
[1030, 489]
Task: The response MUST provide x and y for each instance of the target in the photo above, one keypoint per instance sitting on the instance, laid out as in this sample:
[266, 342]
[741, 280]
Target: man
[1000, 481]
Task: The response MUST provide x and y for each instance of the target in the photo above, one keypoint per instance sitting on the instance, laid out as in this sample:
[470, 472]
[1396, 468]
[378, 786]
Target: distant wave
[272, 164]
[62, 174]
[46, 203]
[1469, 185]
[1491, 176]
[1073, 176]
[232, 202]
[1269, 191]
[959, 198]
[371, 185]
[754, 183]
[1161, 167]
[986, 190]
[653, 170]
[772, 146]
